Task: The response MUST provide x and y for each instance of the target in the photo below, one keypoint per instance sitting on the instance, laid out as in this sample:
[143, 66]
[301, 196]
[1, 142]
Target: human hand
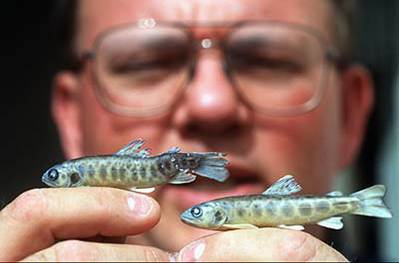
[266, 244]
[45, 225]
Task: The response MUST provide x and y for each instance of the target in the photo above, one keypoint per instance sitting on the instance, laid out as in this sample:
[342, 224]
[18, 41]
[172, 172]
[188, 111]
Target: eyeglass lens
[274, 68]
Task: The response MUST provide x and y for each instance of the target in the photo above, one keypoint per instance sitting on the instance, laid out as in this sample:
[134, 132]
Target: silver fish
[133, 169]
[276, 207]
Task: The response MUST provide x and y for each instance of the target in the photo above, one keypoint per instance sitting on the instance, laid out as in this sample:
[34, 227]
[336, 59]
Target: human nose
[211, 105]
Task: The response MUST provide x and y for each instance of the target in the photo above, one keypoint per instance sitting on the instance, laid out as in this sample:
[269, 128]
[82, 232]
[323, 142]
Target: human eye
[278, 61]
[266, 53]
[147, 62]
[272, 62]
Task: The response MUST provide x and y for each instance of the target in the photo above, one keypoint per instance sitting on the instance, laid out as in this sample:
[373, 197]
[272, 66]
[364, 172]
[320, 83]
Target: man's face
[210, 116]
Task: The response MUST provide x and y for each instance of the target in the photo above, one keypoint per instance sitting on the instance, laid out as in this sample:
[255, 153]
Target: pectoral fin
[239, 226]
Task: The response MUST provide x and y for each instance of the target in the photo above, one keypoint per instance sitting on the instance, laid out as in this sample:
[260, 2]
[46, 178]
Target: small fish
[276, 207]
[133, 169]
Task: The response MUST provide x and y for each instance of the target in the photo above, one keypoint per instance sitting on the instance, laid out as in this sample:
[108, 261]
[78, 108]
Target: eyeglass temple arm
[333, 56]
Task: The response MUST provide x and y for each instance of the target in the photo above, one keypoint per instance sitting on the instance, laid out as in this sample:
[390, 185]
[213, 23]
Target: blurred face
[209, 116]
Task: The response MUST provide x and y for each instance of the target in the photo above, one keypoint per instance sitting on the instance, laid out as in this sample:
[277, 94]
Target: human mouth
[240, 182]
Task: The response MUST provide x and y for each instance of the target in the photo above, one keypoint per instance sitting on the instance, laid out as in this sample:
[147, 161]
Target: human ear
[357, 103]
[66, 112]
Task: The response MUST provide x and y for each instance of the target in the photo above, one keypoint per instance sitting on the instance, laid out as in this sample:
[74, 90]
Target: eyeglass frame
[331, 55]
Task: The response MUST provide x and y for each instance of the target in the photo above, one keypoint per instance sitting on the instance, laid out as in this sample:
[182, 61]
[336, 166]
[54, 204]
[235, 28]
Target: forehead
[96, 16]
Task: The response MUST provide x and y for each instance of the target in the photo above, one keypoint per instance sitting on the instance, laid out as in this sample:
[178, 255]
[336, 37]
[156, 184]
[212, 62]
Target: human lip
[241, 182]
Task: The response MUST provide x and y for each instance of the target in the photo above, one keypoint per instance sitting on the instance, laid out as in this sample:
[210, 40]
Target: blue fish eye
[196, 212]
[53, 174]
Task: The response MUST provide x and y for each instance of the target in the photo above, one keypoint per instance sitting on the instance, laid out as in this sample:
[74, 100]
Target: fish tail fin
[371, 202]
[212, 165]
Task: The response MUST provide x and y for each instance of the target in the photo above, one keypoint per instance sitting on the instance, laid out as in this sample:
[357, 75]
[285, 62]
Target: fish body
[271, 209]
[130, 168]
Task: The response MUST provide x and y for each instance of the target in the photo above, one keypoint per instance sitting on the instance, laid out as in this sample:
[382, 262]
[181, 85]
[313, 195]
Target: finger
[37, 218]
[73, 250]
[267, 244]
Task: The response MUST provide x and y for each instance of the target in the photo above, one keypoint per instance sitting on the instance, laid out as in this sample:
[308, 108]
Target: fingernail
[192, 252]
[139, 204]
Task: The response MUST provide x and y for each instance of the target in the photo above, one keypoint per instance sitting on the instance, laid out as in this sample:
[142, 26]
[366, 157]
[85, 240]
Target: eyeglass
[276, 68]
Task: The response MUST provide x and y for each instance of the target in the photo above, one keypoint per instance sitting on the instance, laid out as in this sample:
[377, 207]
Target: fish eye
[196, 212]
[53, 174]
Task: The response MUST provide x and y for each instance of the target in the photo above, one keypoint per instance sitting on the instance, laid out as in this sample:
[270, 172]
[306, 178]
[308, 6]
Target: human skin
[209, 117]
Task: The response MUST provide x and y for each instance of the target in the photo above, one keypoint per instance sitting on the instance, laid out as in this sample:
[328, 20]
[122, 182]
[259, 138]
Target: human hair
[65, 15]
[344, 27]
[64, 33]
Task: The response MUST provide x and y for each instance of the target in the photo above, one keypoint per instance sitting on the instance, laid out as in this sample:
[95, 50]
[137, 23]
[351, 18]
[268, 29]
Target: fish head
[206, 215]
[58, 176]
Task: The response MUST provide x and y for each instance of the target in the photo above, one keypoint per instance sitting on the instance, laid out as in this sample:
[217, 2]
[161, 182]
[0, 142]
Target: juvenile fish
[133, 169]
[276, 207]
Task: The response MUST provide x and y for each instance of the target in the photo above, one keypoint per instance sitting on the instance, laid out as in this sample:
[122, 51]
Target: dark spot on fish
[322, 206]
[153, 171]
[257, 210]
[287, 209]
[75, 178]
[305, 209]
[122, 173]
[341, 205]
[183, 163]
[143, 172]
[218, 216]
[167, 165]
[241, 212]
[91, 170]
[103, 171]
[114, 173]
[133, 174]
[173, 160]
[192, 163]
[161, 167]
[270, 207]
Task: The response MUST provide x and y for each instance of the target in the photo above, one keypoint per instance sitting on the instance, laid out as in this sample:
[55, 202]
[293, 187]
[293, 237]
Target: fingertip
[143, 206]
[260, 244]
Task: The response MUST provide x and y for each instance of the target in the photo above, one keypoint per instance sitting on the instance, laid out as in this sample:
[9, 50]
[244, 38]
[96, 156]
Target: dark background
[30, 142]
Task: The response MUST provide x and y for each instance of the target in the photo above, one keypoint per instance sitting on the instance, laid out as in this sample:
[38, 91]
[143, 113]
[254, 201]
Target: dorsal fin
[284, 186]
[132, 149]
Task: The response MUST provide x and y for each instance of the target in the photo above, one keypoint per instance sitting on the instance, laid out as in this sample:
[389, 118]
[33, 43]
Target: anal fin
[183, 178]
[292, 227]
[239, 226]
[143, 190]
[332, 223]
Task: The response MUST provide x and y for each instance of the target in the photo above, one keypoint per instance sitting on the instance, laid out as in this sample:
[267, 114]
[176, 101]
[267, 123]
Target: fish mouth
[47, 182]
[189, 220]
[186, 218]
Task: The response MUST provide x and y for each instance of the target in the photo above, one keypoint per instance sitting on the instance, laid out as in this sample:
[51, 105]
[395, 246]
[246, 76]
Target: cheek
[104, 132]
[305, 146]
